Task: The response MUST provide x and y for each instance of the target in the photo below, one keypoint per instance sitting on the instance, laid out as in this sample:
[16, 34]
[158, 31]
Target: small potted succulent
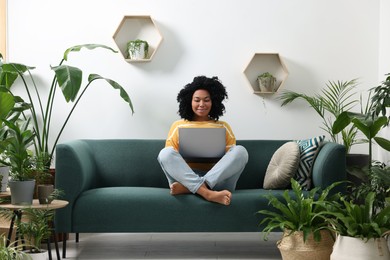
[137, 49]
[267, 82]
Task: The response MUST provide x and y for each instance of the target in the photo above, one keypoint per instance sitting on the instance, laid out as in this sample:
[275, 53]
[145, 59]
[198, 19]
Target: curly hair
[217, 94]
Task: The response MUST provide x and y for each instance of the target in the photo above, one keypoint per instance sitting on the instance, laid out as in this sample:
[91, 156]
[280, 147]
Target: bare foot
[222, 197]
[177, 188]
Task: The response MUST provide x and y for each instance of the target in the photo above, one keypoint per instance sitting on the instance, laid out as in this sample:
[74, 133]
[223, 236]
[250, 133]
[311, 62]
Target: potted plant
[35, 229]
[336, 98]
[10, 109]
[19, 159]
[369, 123]
[300, 215]
[360, 229]
[69, 79]
[267, 82]
[137, 49]
[12, 251]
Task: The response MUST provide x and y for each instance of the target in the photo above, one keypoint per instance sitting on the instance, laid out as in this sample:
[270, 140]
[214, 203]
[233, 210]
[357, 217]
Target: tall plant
[336, 98]
[69, 80]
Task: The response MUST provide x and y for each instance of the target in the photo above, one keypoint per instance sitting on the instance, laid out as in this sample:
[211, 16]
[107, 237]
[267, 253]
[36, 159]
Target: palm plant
[36, 228]
[336, 98]
[69, 79]
[13, 251]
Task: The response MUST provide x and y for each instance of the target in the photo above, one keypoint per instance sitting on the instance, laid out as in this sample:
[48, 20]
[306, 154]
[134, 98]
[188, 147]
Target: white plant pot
[347, 248]
[137, 52]
[4, 171]
[37, 256]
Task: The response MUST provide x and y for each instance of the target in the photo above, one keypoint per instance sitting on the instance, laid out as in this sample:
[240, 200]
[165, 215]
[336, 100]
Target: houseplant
[336, 98]
[10, 109]
[360, 228]
[36, 229]
[137, 49]
[69, 79]
[12, 251]
[266, 82]
[369, 122]
[300, 215]
[16, 149]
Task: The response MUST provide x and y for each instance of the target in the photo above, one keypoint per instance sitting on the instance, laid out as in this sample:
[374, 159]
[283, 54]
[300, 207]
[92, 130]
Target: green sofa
[118, 186]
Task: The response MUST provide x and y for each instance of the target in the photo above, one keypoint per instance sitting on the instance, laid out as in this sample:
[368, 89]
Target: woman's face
[201, 105]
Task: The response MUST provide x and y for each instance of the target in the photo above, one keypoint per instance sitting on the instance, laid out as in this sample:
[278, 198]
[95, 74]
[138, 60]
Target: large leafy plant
[359, 220]
[15, 147]
[336, 98]
[68, 79]
[36, 228]
[300, 211]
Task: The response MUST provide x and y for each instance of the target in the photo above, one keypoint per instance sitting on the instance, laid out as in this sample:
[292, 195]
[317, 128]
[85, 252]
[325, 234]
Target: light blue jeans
[223, 176]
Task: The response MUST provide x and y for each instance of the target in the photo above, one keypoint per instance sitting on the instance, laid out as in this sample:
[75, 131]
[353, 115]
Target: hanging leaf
[69, 79]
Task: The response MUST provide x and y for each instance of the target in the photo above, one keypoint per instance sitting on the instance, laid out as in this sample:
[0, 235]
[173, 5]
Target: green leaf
[115, 85]
[341, 122]
[88, 46]
[7, 103]
[382, 142]
[69, 79]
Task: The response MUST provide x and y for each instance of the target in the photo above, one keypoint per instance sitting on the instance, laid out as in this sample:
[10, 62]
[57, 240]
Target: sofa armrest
[330, 165]
[75, 173]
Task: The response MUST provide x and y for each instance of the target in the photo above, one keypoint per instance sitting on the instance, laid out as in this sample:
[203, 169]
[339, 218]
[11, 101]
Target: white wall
[319, 41]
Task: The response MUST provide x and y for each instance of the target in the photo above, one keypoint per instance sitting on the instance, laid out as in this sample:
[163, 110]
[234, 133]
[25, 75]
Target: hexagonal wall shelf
[133, 27]
[265, 62]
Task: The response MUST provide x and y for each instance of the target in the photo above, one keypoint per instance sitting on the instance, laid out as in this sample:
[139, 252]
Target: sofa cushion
[282, 167]
[308, 151]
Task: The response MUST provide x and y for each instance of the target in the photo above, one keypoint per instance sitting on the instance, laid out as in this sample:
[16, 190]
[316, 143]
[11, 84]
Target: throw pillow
[308, 151]
[282, 167]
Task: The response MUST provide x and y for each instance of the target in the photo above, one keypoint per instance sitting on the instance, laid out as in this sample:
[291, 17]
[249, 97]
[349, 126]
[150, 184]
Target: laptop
[204, 145]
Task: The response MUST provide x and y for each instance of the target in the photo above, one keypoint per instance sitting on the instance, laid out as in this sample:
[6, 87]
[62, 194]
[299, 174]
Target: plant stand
[18, 212]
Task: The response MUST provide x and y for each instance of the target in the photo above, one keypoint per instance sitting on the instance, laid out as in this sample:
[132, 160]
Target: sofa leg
[64, 235]
[77, 237]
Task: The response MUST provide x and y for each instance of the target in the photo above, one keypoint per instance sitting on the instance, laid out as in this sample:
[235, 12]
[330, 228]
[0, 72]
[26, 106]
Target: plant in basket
[301, 216]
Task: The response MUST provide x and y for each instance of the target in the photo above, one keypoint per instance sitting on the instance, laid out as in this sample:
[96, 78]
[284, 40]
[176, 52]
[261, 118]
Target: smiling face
[201, 105]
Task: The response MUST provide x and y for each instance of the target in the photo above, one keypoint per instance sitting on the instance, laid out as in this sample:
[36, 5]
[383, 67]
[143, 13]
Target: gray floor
[173, 246]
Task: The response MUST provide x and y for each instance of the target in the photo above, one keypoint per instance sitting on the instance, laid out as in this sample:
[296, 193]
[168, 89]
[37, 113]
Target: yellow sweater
[173, 136]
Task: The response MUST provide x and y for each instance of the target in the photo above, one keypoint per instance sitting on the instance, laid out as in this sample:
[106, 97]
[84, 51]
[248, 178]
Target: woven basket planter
[292, 247]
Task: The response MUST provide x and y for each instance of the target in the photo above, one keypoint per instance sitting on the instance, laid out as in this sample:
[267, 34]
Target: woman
[200, 105]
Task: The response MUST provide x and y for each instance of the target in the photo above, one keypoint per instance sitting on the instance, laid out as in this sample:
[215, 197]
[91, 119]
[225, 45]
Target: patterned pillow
[308, 151]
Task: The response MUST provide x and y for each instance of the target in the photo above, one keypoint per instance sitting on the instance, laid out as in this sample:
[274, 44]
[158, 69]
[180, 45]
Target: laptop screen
[202, 144]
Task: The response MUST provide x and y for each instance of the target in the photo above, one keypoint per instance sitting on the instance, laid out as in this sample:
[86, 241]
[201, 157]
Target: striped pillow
[308, 151]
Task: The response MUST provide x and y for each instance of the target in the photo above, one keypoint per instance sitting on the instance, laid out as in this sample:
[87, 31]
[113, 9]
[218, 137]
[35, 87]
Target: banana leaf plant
[368, 125]
[68, 79]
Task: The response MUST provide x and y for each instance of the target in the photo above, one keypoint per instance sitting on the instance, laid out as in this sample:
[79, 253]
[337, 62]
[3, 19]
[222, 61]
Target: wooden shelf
[133, 27]
[265, 62]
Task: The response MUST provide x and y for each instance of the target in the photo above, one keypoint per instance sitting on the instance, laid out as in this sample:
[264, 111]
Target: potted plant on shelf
[69, 80]
[19, 159]
[267, 82]
[137, 49]
[10, 108]
[360, 229]
[301, 217]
